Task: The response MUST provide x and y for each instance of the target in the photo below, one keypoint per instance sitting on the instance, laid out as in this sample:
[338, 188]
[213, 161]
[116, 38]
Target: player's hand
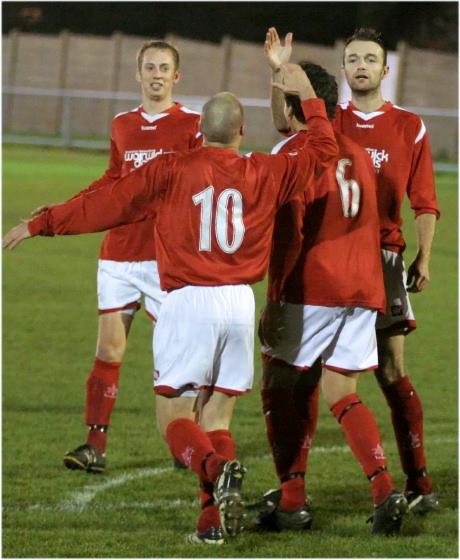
[41, 209]
[295, 81]
[418, 276]
[269, 324]
[16, 235]
[277, 54]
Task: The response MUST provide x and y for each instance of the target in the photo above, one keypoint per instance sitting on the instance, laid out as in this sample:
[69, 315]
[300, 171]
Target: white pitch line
[78, 501]
[162, 505]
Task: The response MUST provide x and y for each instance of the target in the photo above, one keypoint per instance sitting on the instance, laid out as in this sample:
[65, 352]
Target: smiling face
[364, 67]
[157, 75]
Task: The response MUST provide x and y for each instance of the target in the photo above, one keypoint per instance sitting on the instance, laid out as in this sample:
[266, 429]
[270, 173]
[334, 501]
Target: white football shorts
[344, 337]
[121, 285]
[204, 337]
[399, 314]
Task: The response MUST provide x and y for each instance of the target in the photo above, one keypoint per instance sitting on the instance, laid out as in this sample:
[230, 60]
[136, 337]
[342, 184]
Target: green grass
[142, 508]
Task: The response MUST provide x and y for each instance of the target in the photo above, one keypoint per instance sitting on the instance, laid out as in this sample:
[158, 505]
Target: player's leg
[403, 400]
[289, 389]
[101, 392]
[362, 433]
[148, 282]
[118, 300]
[354, 350]
[407, 419]
[360, 427]
[190, 343]
[290, 406]
[209, 524]
[208, 450]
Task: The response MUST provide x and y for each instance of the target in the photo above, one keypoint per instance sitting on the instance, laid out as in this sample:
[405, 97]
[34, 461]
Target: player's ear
[176, 76]
[385, 71]
[138, 76]
[242, 130]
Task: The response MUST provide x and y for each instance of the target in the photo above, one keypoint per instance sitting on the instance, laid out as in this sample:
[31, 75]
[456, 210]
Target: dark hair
[325, 87]
[161, 46]
[368, 34]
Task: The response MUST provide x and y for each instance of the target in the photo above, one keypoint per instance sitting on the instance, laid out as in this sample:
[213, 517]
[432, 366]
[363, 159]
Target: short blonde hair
[161, 46]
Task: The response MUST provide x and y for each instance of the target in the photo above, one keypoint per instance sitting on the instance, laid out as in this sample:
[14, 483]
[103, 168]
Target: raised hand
[277, 54]
[295, 81]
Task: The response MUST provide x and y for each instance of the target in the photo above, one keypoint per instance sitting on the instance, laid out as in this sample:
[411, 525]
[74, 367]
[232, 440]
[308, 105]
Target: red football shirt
[326, 241]
[214, 210]
[398, 144]
[135, 139]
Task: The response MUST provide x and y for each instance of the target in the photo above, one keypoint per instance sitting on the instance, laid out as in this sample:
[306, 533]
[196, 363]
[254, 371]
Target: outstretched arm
[128, 200]
[277, 55]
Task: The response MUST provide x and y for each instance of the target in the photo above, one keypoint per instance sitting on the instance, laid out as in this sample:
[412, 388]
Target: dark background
[432, 25]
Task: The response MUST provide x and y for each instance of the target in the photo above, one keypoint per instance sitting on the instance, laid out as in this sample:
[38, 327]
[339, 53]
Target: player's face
[158, 74]
[363, 66]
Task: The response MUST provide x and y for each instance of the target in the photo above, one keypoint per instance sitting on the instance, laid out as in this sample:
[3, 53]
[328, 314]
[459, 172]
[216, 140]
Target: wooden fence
[69, 87]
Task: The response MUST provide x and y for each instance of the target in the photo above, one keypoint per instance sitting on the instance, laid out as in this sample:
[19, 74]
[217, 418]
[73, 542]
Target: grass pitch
[142, 508]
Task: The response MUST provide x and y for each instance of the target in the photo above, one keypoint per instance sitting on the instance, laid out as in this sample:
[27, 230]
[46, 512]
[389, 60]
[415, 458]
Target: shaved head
[222, 118]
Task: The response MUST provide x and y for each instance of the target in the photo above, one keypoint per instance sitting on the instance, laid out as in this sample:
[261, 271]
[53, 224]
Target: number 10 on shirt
[218, 215]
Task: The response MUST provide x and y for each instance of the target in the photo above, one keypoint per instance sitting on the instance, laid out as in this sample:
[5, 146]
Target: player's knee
[277, 376]
[110, 352]
[388, 373]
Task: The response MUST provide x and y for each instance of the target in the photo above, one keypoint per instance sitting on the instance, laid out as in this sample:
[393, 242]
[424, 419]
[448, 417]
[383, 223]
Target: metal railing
[67, 139]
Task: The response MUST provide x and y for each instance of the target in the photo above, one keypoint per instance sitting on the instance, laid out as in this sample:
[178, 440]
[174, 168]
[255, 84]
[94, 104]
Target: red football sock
[97, 438]
[284, 429]
[192, 446]
[101, 393]
[363, 437]
[407, 419]
[209, 517]
[286, 435]
[307, 403]
[293, 494]
[224, 445]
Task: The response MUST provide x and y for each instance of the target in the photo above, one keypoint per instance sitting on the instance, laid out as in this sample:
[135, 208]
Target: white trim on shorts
[399, 314]
[121, 285]
[344, 338]
[204, 337]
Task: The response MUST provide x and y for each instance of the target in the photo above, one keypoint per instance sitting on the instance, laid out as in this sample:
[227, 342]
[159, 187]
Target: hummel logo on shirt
[364, 125]
[149, 127]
